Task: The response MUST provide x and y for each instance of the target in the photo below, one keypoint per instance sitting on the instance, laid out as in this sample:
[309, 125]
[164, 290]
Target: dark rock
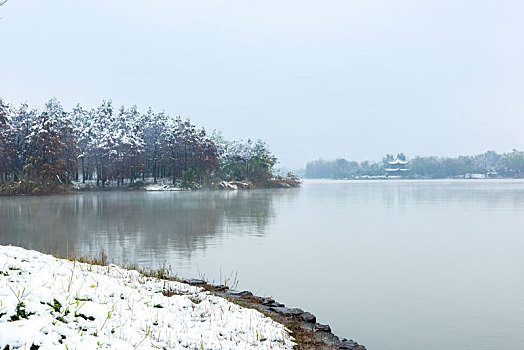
[264, 308]
[271, 302]
[194, 281]
[220, 287]
[277, 304]
[287, 311]
[237, 293]
[309, 317]
[293, 312]
[278, 309]
[267, 301]
[322, 328]
[347, 344]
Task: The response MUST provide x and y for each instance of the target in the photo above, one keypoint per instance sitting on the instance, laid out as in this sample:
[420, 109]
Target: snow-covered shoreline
[51, 303]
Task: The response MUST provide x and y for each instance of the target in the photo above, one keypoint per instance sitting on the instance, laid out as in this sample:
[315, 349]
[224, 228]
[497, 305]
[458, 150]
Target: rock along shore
[307, 332]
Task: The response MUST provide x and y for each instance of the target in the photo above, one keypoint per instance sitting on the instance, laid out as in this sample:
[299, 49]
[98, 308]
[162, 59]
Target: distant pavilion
[397, 168]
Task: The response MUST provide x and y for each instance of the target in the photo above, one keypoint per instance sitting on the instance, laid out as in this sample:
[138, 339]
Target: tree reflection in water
[134, 226]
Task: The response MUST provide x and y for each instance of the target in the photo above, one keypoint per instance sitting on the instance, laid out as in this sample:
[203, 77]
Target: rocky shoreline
[308, 333]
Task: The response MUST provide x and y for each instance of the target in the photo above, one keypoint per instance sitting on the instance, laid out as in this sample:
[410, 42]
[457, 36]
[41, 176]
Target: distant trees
[336, 169]
[342, 169]
[489, 164]
[46, 151]
[387, 158]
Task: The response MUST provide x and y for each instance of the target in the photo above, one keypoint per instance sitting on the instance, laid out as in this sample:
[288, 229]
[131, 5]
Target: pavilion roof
[398, 161]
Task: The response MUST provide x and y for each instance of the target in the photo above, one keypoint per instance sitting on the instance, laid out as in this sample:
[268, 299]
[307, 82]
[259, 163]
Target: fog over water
[392, 264]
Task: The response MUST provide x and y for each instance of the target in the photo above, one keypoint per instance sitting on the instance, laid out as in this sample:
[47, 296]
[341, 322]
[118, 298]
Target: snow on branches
[49, 149]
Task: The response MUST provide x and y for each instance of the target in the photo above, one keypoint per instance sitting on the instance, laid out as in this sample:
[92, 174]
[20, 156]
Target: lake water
[391, 264]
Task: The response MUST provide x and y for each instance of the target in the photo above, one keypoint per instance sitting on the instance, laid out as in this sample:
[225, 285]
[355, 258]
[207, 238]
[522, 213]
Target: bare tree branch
[2, 2]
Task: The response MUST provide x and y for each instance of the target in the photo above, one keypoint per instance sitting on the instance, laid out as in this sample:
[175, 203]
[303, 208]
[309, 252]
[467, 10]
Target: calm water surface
[392, 264]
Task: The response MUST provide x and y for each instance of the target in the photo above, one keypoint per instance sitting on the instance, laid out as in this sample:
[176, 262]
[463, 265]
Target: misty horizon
[323, 81]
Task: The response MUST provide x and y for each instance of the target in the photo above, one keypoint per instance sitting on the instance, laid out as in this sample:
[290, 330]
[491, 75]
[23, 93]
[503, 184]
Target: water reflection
[402, 194]
[394, 264]
[127, 223]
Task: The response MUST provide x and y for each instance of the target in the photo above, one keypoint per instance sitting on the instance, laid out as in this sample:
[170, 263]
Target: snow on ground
[60, 304]
[150, 185]
[80, 185]
[161, 187]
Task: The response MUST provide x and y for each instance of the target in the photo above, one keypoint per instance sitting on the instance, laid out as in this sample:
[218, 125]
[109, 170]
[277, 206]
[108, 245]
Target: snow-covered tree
[7, 150]
[247, 160]
[52, 151]
[171, 141]
[154, 125]
[21, 120]
[47, 150]
[81, 123]
[101, 140]
[127, 144]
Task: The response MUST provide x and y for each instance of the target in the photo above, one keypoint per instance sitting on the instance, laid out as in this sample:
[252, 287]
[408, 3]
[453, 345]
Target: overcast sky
[315, 79]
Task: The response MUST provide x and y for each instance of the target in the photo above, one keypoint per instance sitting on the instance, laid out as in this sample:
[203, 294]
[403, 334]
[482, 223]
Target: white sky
[330, 78]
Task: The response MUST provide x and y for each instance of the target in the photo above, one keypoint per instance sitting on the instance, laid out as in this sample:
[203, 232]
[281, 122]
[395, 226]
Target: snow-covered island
[51, 303]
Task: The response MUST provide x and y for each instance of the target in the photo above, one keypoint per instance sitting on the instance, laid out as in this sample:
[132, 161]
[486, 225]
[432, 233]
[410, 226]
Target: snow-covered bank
[161, 187]
[54, 303]
[149, 185]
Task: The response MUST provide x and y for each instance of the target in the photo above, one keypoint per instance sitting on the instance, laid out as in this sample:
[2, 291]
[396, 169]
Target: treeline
[45, 151]
[342, 169]
[489, 164]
